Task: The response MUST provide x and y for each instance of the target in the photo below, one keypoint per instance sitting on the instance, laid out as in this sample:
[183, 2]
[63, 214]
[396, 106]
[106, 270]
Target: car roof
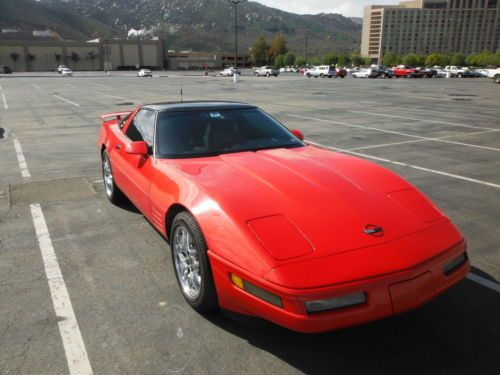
[197, 106]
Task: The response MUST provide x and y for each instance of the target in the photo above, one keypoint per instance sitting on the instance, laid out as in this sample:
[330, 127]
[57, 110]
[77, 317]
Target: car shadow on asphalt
[457, 333]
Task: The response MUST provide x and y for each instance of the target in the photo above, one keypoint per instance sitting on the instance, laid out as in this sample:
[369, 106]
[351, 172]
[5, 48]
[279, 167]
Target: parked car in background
[66, 72]
[457, 71]
[365, 73]
[60, 68]
[405, 71]
[341, 72]
[495, 74]
[321, 71]
[266, 71]
[5, 69]
[229, 72]
[382, 71]
[145, 73]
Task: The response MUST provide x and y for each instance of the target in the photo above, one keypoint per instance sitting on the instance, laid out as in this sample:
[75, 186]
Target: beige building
[427, 26]
[93, 55]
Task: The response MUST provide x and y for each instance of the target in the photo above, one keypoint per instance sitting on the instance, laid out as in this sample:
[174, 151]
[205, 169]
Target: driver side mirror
[298, 134]
[137, 148]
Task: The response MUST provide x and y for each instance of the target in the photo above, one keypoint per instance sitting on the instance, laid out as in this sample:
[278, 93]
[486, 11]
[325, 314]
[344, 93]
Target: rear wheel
[308, 75]
[192, 267]
[268, 75]
[408, 75]
[496, 79]
[113, 192]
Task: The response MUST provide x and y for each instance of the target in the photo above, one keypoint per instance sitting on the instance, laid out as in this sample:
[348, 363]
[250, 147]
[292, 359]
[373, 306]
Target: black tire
[257, 74]
[308, 75]
[207, 298]
[268, 75]
[112, 190]
[322, 75]
[496, 79]
[459, 75]
[408, 75]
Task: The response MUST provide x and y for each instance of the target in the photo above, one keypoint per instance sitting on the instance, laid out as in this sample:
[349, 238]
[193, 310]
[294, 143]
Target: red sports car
[261, 223]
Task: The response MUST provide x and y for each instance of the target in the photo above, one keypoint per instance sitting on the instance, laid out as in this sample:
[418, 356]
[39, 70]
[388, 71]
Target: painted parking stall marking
[441, 139]
[66, 100]
[21, 159]
[74, 347]
[484, 282]
[486, 183]
[4, 100]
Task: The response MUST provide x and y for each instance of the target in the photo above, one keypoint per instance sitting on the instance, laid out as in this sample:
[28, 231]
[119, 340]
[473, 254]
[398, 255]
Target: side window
[142, 127]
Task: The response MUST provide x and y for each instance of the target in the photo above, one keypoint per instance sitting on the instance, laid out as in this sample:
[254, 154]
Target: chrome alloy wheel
[108, 176]
[186, 261]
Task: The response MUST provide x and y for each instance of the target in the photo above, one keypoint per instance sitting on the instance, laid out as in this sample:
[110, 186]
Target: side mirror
[298, 134]
[137, 148]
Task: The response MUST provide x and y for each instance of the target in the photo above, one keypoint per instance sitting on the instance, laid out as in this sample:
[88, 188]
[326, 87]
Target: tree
[367, 61]
[300, 61]
[75, 57]
[277, 46]
[457, 59]
[279, 61]
[31, 58]
[356, 59]
[260, 51]
[434, 59]
[411, 59]
[58, 57]
[15, 56]
[92, 56]
[330, 59]
[343, 59]
[391, 59]
[290, 58]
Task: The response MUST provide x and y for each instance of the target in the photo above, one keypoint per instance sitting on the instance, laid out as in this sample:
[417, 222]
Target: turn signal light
[256, 291]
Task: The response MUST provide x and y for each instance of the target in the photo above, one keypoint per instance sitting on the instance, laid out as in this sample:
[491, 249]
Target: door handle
[118, 147]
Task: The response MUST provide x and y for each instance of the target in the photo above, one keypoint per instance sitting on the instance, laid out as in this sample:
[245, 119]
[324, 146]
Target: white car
[363, 73]
[266, 71]
[144, 73]
[229, 72]
[66, 72]
[321, 71]
[60, 68]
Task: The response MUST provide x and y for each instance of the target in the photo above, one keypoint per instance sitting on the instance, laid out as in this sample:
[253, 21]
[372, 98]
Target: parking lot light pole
[235, 4]
[138, 47]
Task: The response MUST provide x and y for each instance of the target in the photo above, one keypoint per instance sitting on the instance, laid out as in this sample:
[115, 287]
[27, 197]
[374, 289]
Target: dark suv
[382, 71]
[5, 70]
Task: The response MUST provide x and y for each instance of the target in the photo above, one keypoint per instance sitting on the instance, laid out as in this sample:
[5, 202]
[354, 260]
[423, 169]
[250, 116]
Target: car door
[137, 170]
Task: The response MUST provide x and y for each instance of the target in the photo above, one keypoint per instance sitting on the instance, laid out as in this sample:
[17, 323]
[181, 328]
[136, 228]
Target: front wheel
[192, 267]
[496, 79]
[268, 75]
[113, 192]
[308, 75]
[459, 75]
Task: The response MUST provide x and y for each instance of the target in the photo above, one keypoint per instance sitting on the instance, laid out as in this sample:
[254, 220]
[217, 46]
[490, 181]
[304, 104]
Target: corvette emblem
[374, 230]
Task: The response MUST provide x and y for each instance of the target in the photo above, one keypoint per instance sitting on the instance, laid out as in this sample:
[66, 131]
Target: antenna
[182, 97]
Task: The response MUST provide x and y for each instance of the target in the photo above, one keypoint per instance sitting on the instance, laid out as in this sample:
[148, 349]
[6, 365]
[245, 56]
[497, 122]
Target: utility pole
[138, 47]
[235, 4]
[307, 46]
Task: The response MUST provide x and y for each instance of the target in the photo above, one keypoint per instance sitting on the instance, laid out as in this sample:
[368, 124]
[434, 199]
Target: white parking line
[21, 160]
[71, 86]
[455, 114]
[74, 347]
[486, 183]
[0, 87]
[4, 99]
[66, 100]
[424, 120]
[111, 96]
[441, 139]
[36, 87]
[484, 282]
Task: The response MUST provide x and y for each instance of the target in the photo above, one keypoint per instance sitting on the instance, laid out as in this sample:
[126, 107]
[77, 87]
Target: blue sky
[348, 8]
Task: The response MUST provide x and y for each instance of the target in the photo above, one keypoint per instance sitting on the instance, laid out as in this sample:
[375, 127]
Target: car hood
[307, 202]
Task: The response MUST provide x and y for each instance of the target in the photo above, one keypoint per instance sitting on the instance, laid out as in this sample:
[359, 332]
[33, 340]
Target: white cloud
[348, 8]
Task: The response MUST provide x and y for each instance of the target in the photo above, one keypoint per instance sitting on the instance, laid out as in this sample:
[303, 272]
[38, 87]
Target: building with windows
[427, 26]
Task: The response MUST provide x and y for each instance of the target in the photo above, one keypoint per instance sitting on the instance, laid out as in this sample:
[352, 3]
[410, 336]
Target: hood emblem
[374, 230]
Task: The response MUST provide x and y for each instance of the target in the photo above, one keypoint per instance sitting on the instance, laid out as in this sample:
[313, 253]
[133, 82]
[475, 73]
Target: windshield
[214, 132]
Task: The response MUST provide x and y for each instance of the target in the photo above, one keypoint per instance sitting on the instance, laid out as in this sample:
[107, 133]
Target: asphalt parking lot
[441, 135]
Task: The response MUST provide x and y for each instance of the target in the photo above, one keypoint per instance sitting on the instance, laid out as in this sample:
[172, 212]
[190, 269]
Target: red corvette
[263, 224]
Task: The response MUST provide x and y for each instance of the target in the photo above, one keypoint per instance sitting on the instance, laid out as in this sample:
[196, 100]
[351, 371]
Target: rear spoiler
[114, 115]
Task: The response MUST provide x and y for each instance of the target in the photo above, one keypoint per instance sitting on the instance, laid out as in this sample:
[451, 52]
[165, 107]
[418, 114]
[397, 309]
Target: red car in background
[261, 223]
[405, 71]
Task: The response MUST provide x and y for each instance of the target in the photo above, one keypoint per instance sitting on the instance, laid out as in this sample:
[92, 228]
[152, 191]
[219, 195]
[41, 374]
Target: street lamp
[236, 3]
[138, 47]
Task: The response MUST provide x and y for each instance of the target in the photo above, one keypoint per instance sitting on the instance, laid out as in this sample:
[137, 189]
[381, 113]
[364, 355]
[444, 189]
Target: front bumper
[385, 295]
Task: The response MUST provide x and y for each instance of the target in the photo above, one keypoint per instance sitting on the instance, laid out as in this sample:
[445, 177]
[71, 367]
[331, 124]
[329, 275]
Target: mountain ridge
[200, 25]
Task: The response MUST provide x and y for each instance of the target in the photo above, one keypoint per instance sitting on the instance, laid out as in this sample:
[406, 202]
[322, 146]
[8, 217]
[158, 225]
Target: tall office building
[427, 26]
